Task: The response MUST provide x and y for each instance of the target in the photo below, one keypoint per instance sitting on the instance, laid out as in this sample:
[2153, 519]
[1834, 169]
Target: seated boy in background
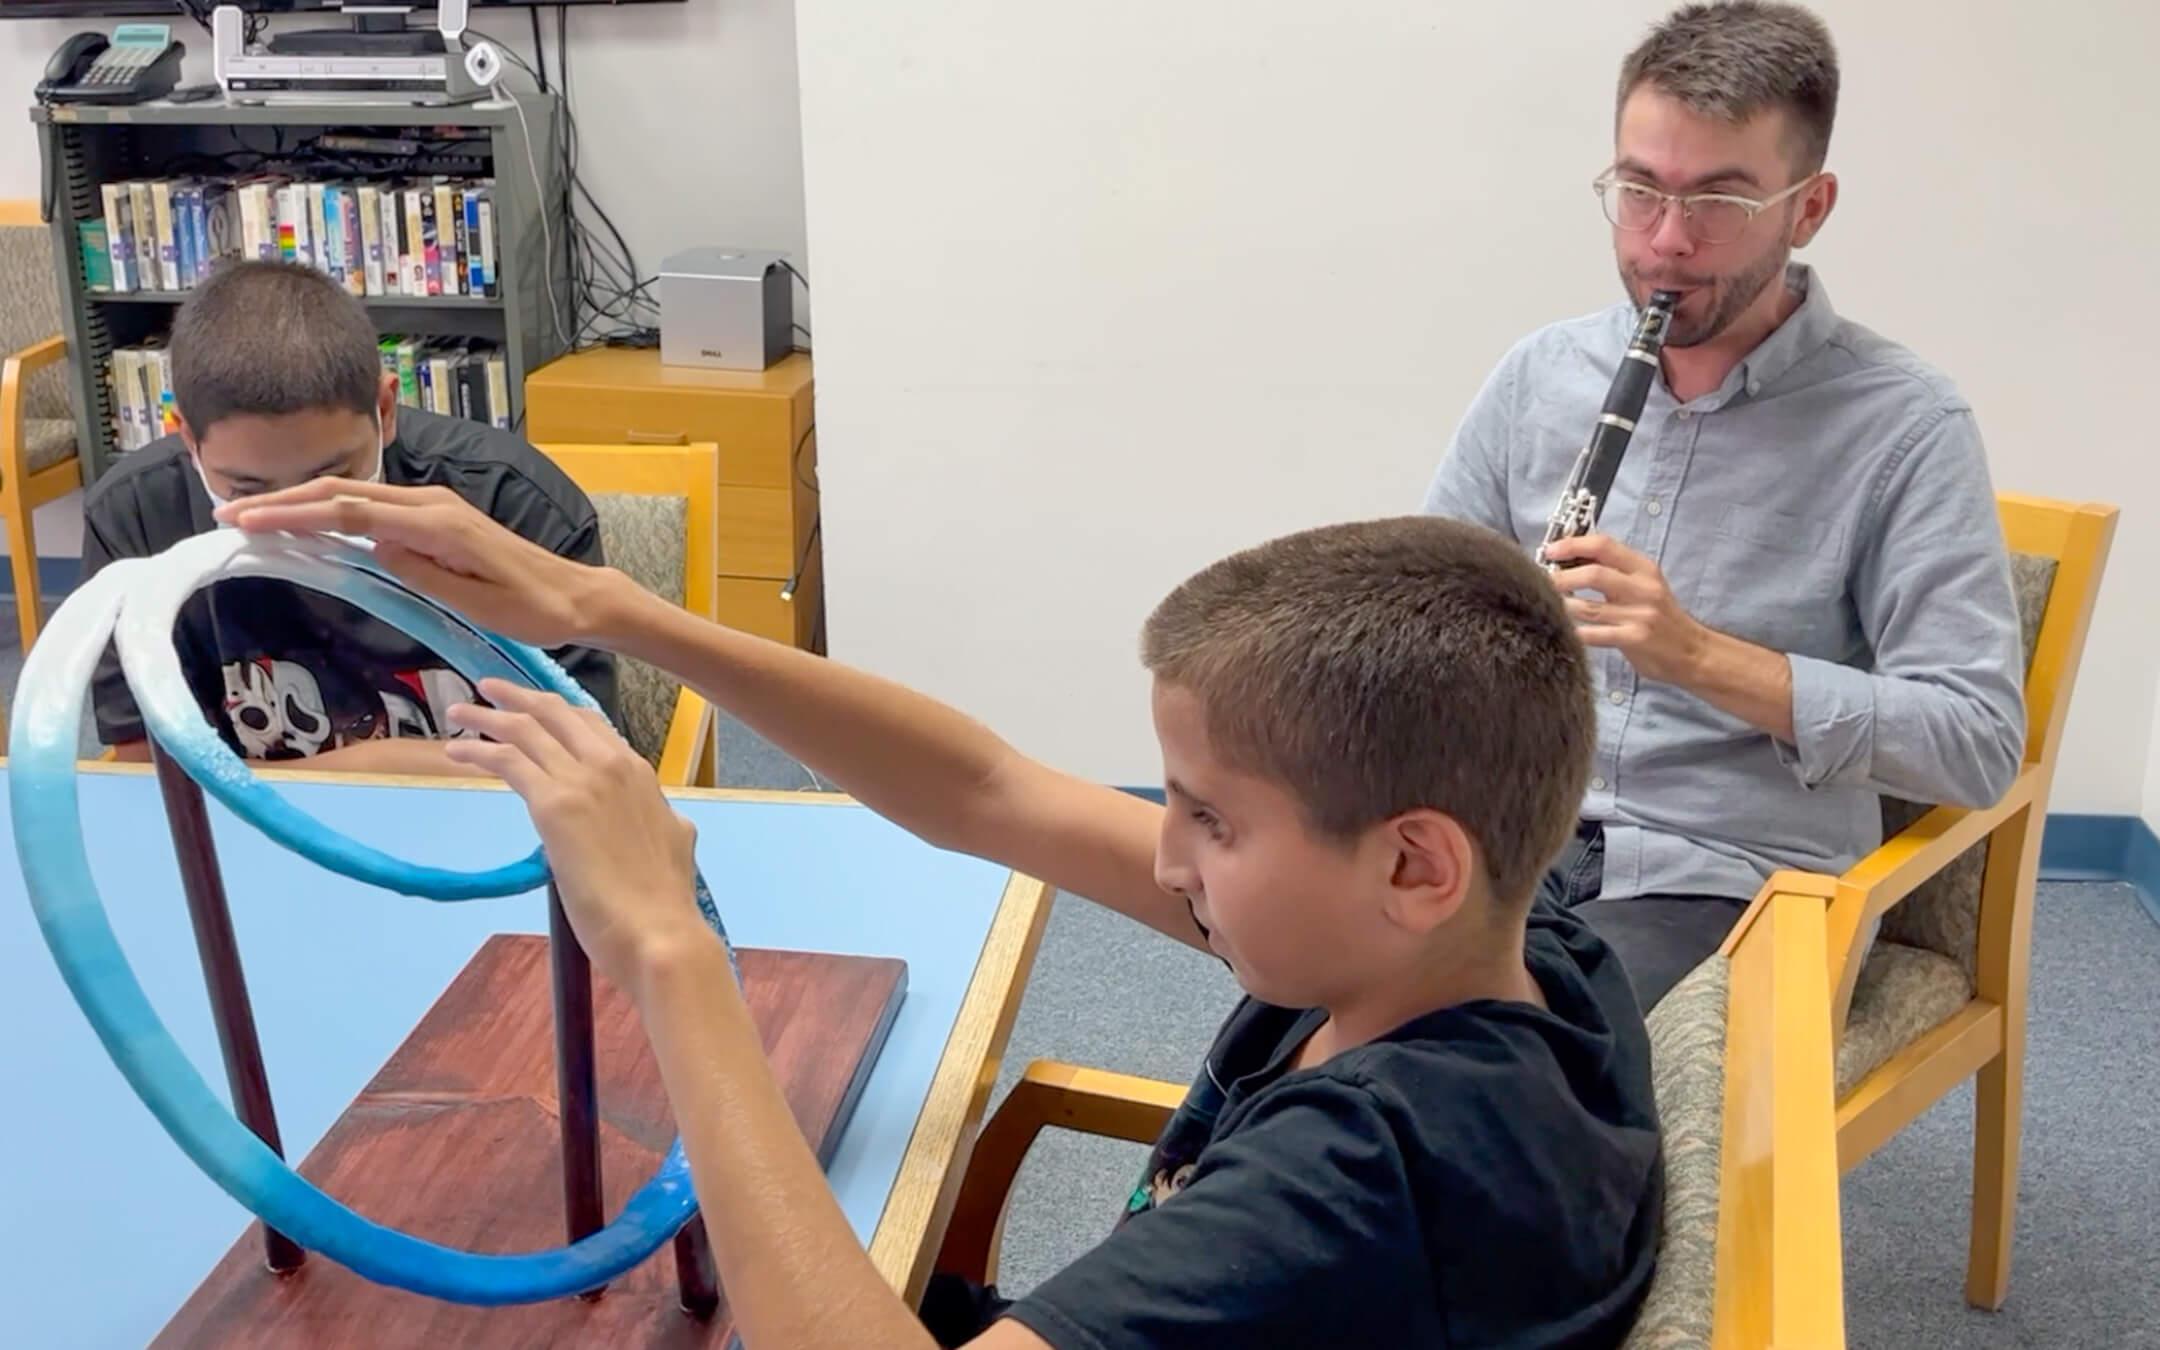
[277, 380]
[1430, 1120]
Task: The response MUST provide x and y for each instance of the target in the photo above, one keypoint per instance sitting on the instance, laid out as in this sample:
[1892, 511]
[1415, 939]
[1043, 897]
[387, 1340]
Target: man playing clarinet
[1796, 592]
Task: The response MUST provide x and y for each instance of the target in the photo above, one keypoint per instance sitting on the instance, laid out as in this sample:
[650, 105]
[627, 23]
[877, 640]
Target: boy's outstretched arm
[932, 770]
[794, 1273]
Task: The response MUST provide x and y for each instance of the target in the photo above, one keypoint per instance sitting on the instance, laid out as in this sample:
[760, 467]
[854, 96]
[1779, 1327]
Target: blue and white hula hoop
[134, 603]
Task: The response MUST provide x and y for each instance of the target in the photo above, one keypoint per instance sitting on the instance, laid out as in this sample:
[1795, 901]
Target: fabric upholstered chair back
[643, 537]
[30, 313]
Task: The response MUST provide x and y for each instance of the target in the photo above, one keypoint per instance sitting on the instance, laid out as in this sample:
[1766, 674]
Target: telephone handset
[138, 63]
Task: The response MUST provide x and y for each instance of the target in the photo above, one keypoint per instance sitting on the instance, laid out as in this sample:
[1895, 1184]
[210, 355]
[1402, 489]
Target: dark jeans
[1659, 938]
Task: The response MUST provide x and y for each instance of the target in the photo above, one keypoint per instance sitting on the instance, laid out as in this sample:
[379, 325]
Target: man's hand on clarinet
[1638, 614]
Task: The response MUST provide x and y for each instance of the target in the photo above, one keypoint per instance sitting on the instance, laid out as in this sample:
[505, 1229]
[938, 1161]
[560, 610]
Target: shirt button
[1617, 696]
[1597, 784]
[1685, 414]
[1655, 508]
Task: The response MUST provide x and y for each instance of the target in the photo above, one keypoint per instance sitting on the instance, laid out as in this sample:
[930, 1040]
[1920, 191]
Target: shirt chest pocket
[1774, 578]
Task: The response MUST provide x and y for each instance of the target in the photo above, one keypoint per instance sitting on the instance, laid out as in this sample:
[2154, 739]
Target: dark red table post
[204, 885]
[577, 1092]
[576, 1089]
[694, 1270]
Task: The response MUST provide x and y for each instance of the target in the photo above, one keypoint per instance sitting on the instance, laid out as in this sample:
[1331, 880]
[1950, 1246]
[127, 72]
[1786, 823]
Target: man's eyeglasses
[1709, 217]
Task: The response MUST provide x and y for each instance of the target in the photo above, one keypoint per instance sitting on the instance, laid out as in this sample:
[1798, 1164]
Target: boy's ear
[1436, 869]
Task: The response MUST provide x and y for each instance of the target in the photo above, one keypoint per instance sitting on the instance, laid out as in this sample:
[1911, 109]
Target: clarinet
[1595, 468]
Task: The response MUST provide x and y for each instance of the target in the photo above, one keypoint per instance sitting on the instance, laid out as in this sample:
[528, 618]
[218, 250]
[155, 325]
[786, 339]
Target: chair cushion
[646, 538]
[1687, 1072]
[47, 441]
[1902, 994]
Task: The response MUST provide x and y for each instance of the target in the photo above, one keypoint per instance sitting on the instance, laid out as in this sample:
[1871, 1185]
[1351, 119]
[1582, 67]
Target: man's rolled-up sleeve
[1940, 716]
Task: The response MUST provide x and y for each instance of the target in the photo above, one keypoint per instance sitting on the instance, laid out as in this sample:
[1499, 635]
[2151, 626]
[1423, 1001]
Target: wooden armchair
[659, 525]
[38, 459]
[1750, 1255]
[1938, 994]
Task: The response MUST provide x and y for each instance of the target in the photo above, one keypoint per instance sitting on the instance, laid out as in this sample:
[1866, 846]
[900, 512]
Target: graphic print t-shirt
[284, 672]
[1489, 1174]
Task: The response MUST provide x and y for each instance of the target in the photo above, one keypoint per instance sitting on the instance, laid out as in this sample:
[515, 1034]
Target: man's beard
[1729, 300]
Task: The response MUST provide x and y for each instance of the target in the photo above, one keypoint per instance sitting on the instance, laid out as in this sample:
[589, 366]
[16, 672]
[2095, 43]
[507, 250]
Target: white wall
[1109, 290]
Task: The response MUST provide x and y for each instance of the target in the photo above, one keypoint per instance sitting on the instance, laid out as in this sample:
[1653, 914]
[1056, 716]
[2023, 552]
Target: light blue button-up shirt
[1831, 501]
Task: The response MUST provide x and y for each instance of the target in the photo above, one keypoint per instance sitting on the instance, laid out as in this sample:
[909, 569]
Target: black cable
[539, 48]
[193, 10]
[49, 191]
[797, 273]
[611, 297]
[612, 303]
[795, 459]
[802, 563]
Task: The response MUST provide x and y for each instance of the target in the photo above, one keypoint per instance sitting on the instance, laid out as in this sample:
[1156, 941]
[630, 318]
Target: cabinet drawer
[756, 437]
[760, 534]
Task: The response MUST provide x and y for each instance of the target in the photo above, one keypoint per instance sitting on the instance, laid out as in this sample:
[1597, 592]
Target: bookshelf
[86, 146]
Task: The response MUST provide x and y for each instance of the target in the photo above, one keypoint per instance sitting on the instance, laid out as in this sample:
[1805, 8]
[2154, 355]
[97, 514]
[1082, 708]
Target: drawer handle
[637, 437]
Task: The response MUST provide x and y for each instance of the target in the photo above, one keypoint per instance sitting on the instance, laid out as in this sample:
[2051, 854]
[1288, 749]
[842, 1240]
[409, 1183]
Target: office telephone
[139, 62]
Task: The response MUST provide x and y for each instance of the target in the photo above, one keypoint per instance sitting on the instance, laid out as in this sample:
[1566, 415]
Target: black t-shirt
[1485, 1175]
[285, 672]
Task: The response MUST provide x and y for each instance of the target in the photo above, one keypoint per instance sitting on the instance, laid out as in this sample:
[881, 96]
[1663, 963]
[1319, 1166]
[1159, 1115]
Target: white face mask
[217, 501]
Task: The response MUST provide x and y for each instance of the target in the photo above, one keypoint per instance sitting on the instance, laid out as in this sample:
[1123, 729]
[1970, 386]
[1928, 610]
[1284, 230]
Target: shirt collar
[1794, 340]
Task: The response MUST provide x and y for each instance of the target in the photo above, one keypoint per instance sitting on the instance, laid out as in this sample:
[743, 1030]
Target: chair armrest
[38, 355]
[1783, 882]
[14, 371]
[1897, 868]
[1779, 1262]
[1091, 1101]
[686, 758]
[1929, 844]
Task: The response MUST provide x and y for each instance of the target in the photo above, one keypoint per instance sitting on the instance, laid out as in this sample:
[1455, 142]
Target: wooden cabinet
[762, 422]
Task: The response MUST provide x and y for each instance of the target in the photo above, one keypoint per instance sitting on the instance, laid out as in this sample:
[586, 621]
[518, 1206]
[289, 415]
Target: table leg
[204, 885]
[575, 1088]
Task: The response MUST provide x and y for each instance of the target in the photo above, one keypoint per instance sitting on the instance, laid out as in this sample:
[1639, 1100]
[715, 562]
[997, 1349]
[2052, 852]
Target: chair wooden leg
[22, 560]
[1998, 1115]
[2005, 962]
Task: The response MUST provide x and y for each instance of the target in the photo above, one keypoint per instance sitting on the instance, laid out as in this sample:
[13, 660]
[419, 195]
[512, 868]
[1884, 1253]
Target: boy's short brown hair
[1381, 666]
[271, 338]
